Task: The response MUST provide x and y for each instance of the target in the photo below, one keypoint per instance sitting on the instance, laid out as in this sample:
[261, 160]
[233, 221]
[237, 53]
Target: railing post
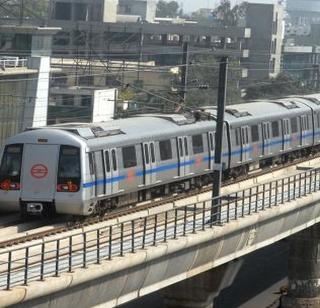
[203, 215]
[243, 198]
[175, 223]
[26, 264]
[9, 270]
[121, 239]
[57, 258]
[144, 232]
[84, 255]
[310, 181]
[276, 194]
[165, 226]
[300, 185]
[250, 198]
[42, 262]
[132, 236]
[236, 207]
[70, 254]
[263, 195]
[270, 194]
[155, 229]
[110, 243]
[228, 209]
[98, 246]
[294, 187]
[185, 221]
[257, 198]
[282, 191]
[194, 218]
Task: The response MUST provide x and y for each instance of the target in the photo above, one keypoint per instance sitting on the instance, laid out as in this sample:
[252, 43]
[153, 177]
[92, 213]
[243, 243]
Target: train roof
[133, 129]
[260, 110]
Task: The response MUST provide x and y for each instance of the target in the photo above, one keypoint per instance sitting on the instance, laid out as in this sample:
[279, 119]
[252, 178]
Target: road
[262, 274]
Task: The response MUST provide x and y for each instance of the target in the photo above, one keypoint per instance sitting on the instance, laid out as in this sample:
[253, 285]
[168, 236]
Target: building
[93, 10]
[302, 63]
[143, 9]
[265, 44]
[303, 12]
[81, 104]
[24, 77]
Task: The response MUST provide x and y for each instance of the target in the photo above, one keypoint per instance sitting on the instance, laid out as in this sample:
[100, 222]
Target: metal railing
[12, 62]
[19, 266]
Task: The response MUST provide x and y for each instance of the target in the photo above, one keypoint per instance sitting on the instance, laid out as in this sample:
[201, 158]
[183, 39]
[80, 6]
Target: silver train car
[82, 169]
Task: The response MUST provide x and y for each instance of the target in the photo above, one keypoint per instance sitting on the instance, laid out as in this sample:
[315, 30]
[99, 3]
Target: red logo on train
[39, 171]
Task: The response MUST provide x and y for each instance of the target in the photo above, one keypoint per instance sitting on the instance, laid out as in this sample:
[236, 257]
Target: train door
[149, 160]
[211, 138]
[99, 173]
[111, 171]
[286, 135]
[245, 144]
[39, 176]
[266, 132]
[304, 130]
[184, 156]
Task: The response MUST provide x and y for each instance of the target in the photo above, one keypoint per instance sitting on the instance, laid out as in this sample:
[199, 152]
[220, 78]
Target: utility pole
[217, 172]
[184, 72]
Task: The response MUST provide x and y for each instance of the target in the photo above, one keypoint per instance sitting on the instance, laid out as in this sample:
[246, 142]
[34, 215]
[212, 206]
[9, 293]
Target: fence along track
[51, 258]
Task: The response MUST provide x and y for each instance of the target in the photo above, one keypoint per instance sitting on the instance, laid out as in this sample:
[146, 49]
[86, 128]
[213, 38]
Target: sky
[193, 5]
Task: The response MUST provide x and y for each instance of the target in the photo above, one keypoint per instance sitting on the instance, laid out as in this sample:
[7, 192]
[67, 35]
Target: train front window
[10, 169]
[69, 169]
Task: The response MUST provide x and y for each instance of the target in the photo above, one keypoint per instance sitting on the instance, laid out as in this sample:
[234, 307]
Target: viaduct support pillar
[304, 270]
[200, 291]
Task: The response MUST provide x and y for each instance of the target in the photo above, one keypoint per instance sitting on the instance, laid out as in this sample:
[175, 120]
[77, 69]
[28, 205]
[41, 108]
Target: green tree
[168, 9]
[282, 85]
[229, 16]
[203, 77]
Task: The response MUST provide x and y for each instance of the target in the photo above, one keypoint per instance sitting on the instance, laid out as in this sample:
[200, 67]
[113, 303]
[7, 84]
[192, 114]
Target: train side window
[129, 157]
[180, 147]
[11, 163]
[107, 161]
[186, 146]
[114, 160]
[153, 156]
[294, 125]
[237, 133]
[197, 144]
[146, 154]
[165, 149]
[211, 141]
[91, 163]
[254, 133]
[275, 129]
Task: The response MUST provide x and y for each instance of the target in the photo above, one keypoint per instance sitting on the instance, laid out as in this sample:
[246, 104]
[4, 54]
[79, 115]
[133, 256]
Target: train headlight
[8, 185]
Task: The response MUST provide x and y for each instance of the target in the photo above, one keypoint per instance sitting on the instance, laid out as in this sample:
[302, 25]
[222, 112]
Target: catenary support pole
[217, 172]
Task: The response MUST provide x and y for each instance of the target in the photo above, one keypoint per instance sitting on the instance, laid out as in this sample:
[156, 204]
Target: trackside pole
[217, 170]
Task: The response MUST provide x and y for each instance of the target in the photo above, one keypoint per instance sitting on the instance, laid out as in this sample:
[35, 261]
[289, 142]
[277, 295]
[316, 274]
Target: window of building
[165, 149]
[255, 133]
[63, 11]
[129, 157]
[275, 129]
[197, 144]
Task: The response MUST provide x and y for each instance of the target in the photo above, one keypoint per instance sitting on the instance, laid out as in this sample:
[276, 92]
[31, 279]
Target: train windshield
[69, 169]
[10, 169]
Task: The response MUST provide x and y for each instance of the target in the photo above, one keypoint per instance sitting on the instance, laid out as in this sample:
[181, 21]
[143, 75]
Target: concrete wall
[136, 274]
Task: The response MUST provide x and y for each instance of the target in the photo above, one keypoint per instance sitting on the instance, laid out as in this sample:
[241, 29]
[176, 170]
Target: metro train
[85, 169]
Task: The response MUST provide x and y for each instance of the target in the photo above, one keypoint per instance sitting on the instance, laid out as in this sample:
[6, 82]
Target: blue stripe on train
[188, 163]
